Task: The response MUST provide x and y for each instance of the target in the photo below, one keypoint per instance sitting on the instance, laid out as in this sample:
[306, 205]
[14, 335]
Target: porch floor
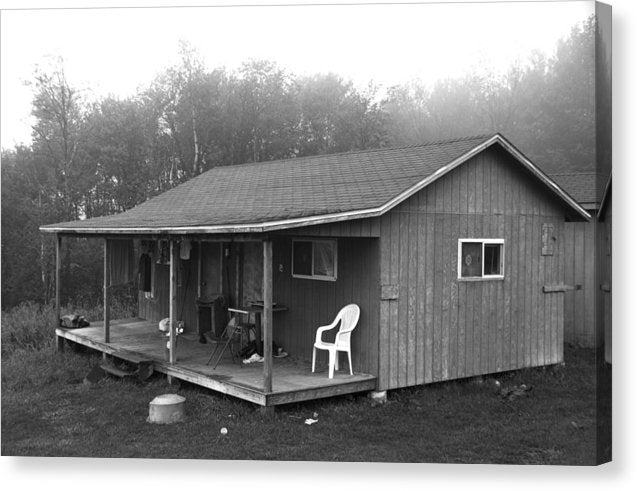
[292, 380]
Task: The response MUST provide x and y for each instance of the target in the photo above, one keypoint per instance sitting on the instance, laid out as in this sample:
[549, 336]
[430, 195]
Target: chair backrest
[349, 316]
[229, 330]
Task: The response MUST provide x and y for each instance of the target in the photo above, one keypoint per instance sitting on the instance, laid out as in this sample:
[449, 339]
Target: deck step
[144, 365]
[118, 372]
[130, 356]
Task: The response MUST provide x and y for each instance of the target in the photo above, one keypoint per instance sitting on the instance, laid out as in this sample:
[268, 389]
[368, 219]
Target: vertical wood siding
[582, 308]
[252, 272]
[313, 303]
[440, 328]
[157, 308]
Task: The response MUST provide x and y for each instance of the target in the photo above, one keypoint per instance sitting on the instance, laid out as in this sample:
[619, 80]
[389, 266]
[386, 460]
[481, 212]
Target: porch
[292, 380]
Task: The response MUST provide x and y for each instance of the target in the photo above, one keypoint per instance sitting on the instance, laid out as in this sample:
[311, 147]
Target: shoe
[281, 354]
[255, 358]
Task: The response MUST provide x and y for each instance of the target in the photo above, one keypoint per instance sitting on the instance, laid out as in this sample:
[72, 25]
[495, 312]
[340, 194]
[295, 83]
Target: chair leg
[225, 346]
[332, 356]
[336, 360]
[349, 357]
[313, 358]
[213, 352]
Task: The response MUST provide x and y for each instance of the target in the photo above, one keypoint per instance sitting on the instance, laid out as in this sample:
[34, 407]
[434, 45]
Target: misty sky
[117, 51]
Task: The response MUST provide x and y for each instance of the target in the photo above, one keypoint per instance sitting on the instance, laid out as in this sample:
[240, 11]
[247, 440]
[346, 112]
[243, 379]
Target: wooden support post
[237, 273]
[173, 303]
[222, 247]
[58, 263]
[199, 268]
[107, 292]
[267, 316]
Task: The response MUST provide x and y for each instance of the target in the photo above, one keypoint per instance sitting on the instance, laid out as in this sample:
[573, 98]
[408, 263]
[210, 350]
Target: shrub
[31, 325]
[27, 369]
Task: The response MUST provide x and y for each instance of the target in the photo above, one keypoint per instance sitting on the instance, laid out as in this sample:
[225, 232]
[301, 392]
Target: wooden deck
[292, 380]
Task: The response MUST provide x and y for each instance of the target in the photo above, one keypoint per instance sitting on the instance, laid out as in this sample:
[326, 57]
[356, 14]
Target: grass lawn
[47, 410]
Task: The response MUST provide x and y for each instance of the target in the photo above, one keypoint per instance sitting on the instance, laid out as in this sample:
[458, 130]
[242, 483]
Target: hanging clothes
[184, 249]
[145, 273]
[163, 257]
[148, 247]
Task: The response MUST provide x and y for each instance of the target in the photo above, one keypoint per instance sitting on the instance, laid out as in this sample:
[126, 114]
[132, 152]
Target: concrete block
[378, 396]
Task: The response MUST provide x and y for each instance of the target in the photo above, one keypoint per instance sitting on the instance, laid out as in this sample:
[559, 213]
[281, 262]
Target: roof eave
[221, 229]
[261, 227]
[542, 176]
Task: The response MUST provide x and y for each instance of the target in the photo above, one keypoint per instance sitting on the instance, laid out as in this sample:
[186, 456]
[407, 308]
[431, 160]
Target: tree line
[90, 158]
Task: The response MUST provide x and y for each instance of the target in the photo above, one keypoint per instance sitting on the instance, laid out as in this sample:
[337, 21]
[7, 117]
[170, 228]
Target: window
[480, 259]
[314, 259]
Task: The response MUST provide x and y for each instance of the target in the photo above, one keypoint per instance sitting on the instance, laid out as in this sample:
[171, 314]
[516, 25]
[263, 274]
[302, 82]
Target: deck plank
[292, 380]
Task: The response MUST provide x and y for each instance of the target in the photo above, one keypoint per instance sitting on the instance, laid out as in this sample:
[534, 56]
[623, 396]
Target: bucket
[167, 409]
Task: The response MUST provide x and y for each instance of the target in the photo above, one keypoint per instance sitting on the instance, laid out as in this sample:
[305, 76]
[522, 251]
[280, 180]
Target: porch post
[199, 268]
[58, 262]
[173, 303]
[267, 316]
[238, 257]
[107, 291]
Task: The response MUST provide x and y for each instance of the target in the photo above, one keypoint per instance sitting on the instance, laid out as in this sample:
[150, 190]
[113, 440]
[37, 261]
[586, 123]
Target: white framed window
[480, 259]
[315, 259]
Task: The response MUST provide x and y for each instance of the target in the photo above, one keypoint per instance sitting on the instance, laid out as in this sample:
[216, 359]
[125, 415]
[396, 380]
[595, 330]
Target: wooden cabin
[605, 218]
[454, 251]
[586, 252]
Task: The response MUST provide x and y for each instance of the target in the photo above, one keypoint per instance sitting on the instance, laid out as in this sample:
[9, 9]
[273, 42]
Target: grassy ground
[47, 410]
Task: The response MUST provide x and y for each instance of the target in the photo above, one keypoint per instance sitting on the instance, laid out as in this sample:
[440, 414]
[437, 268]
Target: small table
[256, 309]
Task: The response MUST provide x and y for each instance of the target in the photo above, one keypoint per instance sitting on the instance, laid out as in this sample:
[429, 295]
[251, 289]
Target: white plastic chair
[348, 317]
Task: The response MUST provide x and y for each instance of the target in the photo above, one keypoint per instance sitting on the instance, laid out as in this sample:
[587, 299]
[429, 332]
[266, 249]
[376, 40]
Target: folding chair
[233, 330]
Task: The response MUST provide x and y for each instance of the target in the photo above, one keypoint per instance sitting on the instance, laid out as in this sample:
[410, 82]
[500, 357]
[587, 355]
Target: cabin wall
[157, 308]
[252, 272]
[313, 303]
[583, 309]
[439, 328]
[310, 303]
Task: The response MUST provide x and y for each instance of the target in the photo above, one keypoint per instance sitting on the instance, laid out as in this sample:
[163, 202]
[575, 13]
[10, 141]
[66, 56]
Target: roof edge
[509, 147]
[542, 176]
[342, 216]
[223, 229]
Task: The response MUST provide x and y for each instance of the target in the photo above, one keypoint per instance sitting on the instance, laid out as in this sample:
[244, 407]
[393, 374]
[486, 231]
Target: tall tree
[119, 155]
[58, 137]
[269, 114]
[26, 255]
[325, 104]
[409, 118]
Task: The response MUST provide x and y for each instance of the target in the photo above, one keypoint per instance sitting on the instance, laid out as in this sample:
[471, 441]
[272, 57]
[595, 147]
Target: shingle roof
[586, 187]
[287, 191]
